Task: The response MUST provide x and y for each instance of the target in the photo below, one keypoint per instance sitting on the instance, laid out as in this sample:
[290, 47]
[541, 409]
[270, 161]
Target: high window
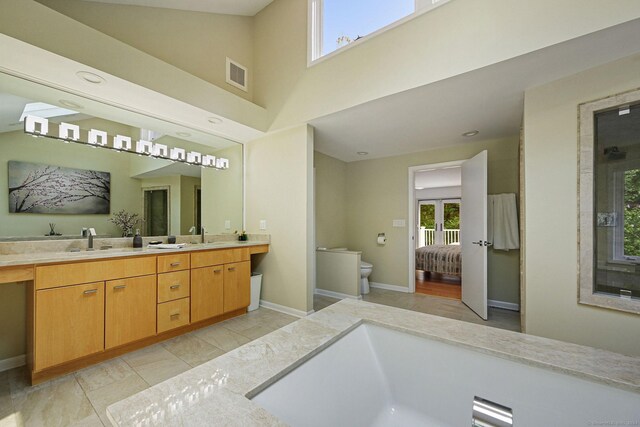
[609, 240]
[338, 23]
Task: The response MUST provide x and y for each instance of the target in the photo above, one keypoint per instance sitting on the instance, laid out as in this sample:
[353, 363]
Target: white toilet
[365, 271]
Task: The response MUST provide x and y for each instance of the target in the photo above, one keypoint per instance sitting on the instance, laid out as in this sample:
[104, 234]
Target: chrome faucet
[202, 234]
[90, 233]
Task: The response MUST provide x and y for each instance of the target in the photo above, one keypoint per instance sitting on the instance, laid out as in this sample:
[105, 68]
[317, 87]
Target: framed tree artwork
[47, 189]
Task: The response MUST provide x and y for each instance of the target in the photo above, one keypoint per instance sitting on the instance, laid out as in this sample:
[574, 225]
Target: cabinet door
[206, 292]
[130, 312]
[69, 323]
[237, 285]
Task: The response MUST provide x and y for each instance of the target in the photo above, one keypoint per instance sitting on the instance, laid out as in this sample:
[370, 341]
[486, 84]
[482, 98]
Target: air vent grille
[236, 74]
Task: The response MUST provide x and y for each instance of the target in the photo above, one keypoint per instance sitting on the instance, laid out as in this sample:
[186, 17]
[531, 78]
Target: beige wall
[339, 272]
[551, 157]
[195, 42]
[12, 318]
[279, 189]
[377, 192]
[330, 201]
[425, 50]
[125, 192]
[222, 193]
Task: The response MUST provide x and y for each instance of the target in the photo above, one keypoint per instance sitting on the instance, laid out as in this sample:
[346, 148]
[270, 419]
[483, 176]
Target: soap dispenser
[137, 239]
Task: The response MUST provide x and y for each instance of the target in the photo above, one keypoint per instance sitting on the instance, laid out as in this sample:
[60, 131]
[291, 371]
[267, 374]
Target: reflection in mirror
[56, 189]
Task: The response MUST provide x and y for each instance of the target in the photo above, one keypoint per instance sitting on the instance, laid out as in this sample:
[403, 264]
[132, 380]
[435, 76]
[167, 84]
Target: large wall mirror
[54, 189]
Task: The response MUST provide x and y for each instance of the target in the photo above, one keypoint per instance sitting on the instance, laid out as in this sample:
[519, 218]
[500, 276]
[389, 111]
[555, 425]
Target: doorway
[156, 211]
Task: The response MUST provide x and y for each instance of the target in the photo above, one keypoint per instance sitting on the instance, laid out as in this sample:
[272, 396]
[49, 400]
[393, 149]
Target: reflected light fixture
[39, 127]
[90, 77]
[470, 133]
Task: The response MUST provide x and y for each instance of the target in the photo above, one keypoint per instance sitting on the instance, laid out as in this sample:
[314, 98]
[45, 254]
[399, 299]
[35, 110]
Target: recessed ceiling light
[70, 104]
[470, 133]
[215, 120]
[90, 77]
[362, 153]
[183, 134]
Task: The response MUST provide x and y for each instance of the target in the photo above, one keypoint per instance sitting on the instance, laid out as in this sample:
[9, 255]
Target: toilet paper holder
[382, 238]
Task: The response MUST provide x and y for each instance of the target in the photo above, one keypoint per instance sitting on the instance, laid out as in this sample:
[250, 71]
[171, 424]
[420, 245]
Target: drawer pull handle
[90, 291]
[174, 264]
[174, 315]
[231, 269]
[218, 270]
[174, 287]
[120, 287]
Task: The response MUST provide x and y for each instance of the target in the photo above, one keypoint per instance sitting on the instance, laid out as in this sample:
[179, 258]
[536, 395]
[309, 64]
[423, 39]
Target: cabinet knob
[90, 291]
[174, 264]
[174, 315]
[174, 286]
[218, 270]
[231, 269]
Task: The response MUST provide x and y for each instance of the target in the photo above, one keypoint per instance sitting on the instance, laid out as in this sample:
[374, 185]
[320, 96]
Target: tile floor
[81, 398]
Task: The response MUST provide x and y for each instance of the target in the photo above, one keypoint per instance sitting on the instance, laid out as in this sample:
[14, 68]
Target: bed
[443, 259]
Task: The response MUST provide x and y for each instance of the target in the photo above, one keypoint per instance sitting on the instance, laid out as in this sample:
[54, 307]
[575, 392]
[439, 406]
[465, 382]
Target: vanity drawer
[173, 262]
[219, 256]
[173, 314]
[172, 286]
[51, 276]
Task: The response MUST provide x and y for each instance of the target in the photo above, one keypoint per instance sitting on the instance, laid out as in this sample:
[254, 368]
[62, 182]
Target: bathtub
[376, 376]
[361, 364]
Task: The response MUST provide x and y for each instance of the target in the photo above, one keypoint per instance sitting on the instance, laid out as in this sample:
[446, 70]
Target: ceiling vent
[237, 75]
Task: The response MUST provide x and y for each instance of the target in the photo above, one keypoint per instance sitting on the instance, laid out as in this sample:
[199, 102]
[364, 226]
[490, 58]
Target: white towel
[502, 217]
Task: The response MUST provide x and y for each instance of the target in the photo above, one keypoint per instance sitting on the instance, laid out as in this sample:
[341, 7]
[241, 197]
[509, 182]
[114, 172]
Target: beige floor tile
[102, 397]
[6, 403]
[59, 402]
[155, 364]
[256, 332]
[221, 337]
[92, 420]
[192, 349]
[103, 374]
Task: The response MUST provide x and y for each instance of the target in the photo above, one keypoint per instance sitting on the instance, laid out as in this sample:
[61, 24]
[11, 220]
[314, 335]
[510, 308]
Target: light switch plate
[227, 224]
[399, 223]
[263, 224]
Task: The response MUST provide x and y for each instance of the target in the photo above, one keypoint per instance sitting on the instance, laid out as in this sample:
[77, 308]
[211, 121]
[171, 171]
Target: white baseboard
[13, 362]
[502, 304]
[337, 295]
[389, 287]
[284, 309]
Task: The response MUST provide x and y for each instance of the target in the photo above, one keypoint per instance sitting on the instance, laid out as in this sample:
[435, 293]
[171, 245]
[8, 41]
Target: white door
[473, 234]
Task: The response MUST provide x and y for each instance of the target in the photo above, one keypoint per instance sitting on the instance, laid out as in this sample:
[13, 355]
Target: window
[609, 234]
[337, 23]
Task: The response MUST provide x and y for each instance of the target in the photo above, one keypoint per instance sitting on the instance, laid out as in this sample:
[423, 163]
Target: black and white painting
[47, 189]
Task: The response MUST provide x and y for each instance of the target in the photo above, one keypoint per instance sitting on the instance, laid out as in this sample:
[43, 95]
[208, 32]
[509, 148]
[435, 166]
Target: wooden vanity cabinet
[130, 310]
[206, 292]
[237, 286]
[69, 323]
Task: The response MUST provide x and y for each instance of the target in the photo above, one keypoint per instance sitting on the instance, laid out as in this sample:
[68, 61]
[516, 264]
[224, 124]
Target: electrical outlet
[227, 224]
[263, 224]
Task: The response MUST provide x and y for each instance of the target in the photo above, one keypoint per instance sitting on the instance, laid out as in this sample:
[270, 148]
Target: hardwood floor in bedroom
[438, 285]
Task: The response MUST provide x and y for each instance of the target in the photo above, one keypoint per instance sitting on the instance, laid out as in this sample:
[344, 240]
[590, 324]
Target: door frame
[412, 214]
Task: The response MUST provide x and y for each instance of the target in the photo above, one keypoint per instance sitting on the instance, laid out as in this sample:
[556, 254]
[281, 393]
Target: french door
[438, 222]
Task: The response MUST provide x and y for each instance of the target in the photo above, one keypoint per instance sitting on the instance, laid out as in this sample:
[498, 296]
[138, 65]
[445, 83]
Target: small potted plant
[125, 221]
[242, 236]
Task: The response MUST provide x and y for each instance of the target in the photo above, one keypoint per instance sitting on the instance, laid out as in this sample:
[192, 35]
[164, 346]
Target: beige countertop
[36, 257]
[215, 393]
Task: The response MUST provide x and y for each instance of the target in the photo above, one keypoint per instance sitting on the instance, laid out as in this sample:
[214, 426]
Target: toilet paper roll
[382, 240]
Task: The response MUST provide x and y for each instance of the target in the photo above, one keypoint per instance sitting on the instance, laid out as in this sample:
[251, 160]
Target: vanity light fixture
[214, 120]
[97, 137]
[90, 77]
[470, 133]
[39, 127]
[68, 131]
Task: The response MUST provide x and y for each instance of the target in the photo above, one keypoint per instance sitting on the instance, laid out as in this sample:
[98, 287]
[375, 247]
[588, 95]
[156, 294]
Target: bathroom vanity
[86, 307]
